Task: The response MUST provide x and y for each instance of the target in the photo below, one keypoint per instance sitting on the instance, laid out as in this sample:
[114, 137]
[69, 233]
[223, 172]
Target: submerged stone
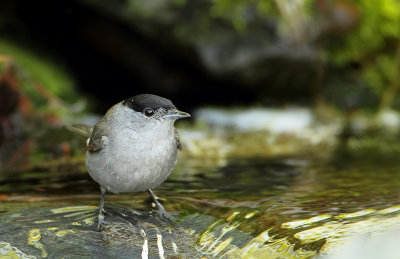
[71, 232]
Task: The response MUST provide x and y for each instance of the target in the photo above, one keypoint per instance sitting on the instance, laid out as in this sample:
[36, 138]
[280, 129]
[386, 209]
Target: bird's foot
[164, 215]
[161, 211]
[101, 225]
[100, 222]
[101, 209]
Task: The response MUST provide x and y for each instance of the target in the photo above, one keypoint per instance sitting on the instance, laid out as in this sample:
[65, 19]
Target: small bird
[134, 147]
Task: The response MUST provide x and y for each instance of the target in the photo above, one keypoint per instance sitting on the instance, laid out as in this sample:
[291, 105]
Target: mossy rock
[71, 232]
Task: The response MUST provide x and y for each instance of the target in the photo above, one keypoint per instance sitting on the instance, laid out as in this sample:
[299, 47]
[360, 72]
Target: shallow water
[292, 206]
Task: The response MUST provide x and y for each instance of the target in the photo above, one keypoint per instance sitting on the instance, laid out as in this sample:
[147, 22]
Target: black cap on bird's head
[148, 103]
[142, 101]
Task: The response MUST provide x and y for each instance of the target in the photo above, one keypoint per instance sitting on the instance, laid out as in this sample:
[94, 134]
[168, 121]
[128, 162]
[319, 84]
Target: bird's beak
[176, 114]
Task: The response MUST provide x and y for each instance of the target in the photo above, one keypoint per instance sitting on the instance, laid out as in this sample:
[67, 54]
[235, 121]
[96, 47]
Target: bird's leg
[101, 208]
[161, 210]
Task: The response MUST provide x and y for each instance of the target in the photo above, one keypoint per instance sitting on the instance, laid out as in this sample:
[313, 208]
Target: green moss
[42, 78]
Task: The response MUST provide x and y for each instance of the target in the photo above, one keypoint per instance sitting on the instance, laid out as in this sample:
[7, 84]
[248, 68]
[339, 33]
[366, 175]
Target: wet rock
[71, 232]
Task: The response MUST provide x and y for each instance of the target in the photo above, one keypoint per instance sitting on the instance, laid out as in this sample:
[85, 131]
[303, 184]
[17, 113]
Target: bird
[134, 147]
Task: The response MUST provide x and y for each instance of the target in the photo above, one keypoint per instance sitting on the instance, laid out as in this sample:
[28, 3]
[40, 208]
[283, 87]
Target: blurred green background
[63, 61]
[223, 52]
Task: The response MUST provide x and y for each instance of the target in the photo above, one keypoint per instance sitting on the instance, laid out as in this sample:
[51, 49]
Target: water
[290, 206]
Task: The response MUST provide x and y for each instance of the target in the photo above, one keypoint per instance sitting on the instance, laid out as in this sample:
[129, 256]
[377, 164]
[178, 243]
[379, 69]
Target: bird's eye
[148, 112]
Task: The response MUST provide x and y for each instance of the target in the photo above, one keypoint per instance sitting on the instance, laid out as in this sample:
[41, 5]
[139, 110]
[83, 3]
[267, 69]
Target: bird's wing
[98, 137]
[178, 142]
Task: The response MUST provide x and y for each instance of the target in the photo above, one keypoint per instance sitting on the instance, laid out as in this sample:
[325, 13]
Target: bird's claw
[165, 215]
[101, 222]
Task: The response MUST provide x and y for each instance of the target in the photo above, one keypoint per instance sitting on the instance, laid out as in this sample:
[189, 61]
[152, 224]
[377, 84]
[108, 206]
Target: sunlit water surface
[294, 207]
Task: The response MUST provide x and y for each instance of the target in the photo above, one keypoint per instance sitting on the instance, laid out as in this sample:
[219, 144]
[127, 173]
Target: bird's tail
[82, 130]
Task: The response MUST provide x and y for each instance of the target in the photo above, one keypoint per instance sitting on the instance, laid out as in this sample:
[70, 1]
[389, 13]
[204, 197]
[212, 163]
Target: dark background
[225, 53]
